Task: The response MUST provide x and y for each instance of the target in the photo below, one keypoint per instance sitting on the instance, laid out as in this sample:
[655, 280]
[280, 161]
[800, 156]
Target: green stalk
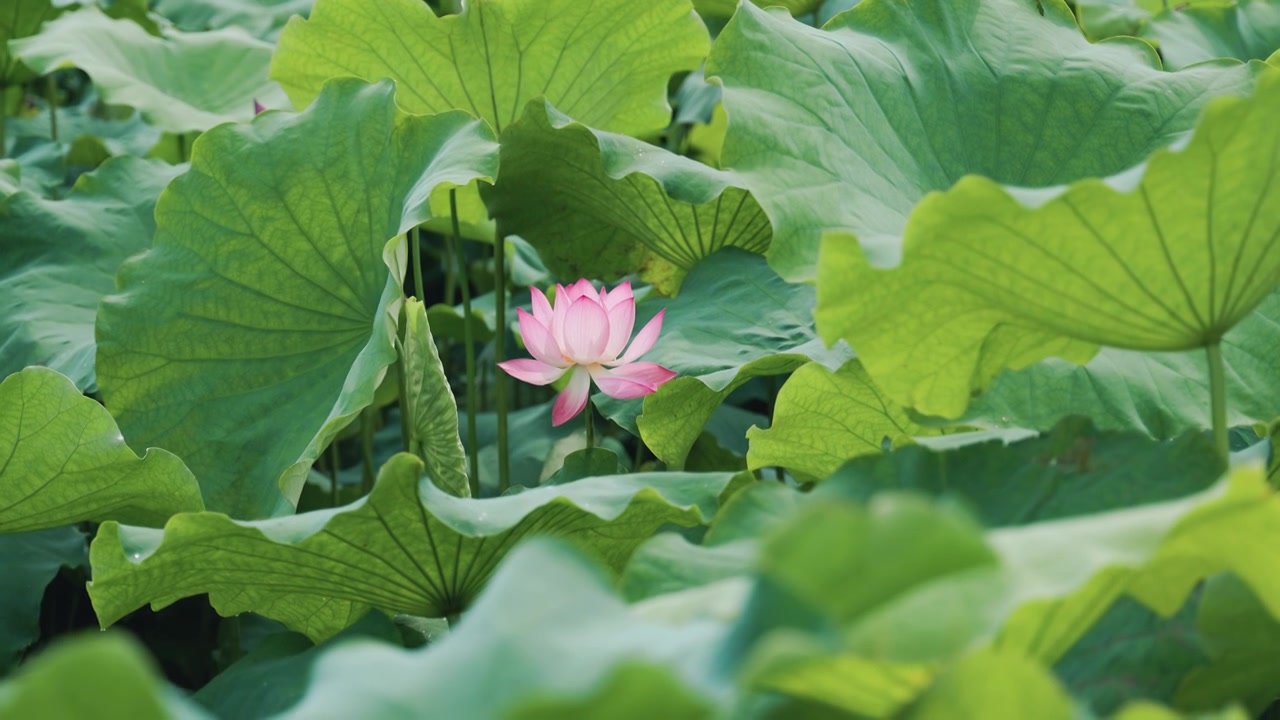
[500, 354]
[51, 97]
[4, 115]
[468, 338]
[366, 450]
[415, 256]
[406, 434]
[230, 640]
[589, 414]
[334, 462]
[1218, 398]
[182, 147]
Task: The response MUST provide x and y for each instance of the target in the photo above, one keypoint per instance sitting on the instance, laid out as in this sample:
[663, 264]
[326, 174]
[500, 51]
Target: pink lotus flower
[583, 335]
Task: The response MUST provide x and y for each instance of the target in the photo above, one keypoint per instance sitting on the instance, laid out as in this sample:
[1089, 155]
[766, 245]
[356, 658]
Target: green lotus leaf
[1160, 394]
[89, 126]
[602, 205]
[1037, 589]
[568, 640]
[262, 320]
[1168, 256]
[994, 683]
[1070, 471]
[1102, 19]
[1246, 30]
[59, 258]
[604, 63]
[180, 82]
[408, 547]
[848, 127]
[112, 675]
[734, 320]
[822, 418]
[430, 405]
[66, 462]
[263, 18]
[1240, 637]
[31, 560]
[23, 18]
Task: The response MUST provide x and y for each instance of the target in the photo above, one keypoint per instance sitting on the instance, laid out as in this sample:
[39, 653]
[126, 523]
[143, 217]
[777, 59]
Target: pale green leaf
[849, 127]
[65, 461]
[180, 82]
[408, 547]
[263, 18]
[563, 641]
[994, 684]
[822, 418]
[59, 257]
[1245, 30]
[261, 321]
[602, 205]
[430, 405]
[1168, 256]
[1160, 394]
[604, 63]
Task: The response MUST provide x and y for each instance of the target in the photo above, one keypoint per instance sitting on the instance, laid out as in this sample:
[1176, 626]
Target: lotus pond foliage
[922, 358]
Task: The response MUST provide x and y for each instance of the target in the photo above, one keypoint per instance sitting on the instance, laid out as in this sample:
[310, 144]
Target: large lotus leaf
[1160, 394]
[90, 125]
[1247, 30]
[734, 320]
[1071, 471]
[22, 18]
[263, 18]
[1168, 256]
[408, 547]
[59, 257]
[1066, 573]
[822, 418]
[65, 462]
[180, 82]
[98, 676]
[258, 325]
[604, 63]
[602, 205]
[558, 634]
[1037, 588]
[30, 561]
[430, 405]
[848, 127]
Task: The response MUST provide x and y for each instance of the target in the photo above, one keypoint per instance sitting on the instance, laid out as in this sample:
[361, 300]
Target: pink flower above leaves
[583, 335]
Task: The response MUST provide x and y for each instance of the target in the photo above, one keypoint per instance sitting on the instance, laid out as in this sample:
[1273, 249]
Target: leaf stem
[366, 450]
[334, 462]
[406, 434]
[589, 414]
[469, 349]
[1218, 398]
[415, 257]
[500, 354]
[51, 97]
[4, 115]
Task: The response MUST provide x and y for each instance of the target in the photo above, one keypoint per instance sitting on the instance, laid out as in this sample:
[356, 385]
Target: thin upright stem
[1218, 398]
[4, 116]
[406, 433]
[500, 354]
[366, 450]
[334, 462]
[51, 97]
[415, 257]
[589, 414]
[469, 341]
[182, 147]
